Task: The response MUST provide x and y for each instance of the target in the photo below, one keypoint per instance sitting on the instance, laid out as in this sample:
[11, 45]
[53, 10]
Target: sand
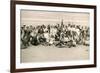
[51, 53]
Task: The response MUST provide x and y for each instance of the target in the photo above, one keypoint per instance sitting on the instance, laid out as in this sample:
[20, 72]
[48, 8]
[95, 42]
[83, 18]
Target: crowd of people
[60, 35]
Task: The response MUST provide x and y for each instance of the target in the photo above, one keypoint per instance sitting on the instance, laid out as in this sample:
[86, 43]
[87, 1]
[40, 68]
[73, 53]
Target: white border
[51, 64]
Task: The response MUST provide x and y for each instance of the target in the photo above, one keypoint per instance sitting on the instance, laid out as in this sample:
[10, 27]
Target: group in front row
[59, 35]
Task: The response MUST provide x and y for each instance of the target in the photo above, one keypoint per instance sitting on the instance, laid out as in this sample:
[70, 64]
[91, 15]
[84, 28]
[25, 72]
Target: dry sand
[51, 53]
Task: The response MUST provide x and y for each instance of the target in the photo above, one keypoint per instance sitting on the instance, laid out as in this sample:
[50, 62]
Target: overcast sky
[31, 17]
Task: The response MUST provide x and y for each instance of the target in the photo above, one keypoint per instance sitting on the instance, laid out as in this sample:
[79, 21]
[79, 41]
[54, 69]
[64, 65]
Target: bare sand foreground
[51, 53]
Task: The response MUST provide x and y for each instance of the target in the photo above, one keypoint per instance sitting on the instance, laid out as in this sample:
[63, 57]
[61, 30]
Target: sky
[31, 17]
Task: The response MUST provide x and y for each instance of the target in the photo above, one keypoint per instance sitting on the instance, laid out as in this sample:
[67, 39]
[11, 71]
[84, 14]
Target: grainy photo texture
[47, 36]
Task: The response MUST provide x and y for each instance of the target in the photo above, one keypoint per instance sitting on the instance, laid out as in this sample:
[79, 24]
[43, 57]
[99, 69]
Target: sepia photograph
[54, 36]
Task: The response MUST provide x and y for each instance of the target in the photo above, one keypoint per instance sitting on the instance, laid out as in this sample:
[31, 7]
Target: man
[27, 36]
[22, 35]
